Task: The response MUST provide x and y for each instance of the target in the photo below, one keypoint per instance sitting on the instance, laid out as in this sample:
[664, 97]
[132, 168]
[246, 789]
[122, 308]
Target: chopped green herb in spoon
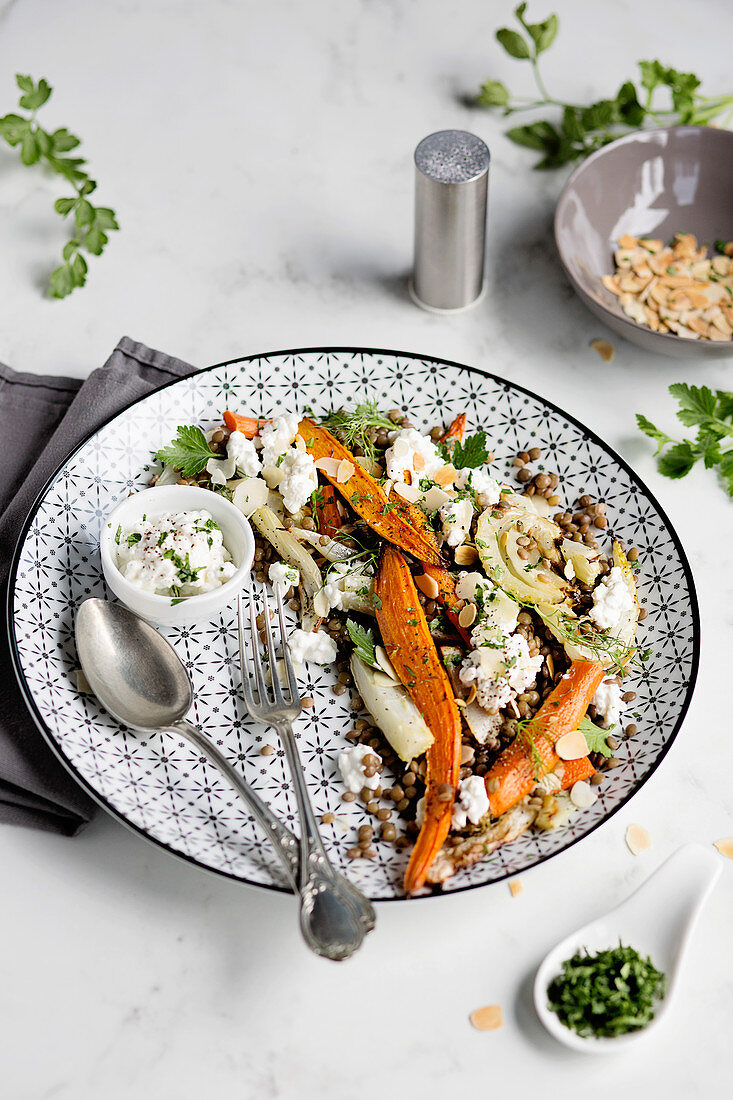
[607, 994]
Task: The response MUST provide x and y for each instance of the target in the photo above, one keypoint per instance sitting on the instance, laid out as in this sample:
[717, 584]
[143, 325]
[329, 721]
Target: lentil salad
[512, 596]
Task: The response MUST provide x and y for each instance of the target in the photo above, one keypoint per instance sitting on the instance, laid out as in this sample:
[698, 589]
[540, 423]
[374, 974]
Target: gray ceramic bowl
[652, 183]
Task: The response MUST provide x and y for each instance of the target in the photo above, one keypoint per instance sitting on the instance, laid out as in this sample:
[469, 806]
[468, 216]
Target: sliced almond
[698, 325]
[720, 265]
[329, 466]
[445, 476]
[428, 585]
[675, 280]
[571, 746]
[345, 471]
[725, 846]
[435, 498]
[467, 615]
[582, 795]
[465, 554]
[407, 492]
[604, 349]
[515, 888]
[369, 465]
[382, 659]
[651, 245]
[488, 1018]
[638, 839]
[611, 283]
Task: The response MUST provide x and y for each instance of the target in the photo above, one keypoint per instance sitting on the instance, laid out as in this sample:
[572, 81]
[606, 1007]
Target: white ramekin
[161, 610]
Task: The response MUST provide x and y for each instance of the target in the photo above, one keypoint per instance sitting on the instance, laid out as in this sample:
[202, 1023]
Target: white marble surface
[258, 155]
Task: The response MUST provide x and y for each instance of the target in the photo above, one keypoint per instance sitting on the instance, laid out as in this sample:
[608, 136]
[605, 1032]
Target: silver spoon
[137, 676]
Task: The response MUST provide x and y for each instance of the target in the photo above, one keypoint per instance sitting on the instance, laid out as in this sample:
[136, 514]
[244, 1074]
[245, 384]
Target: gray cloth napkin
[42, 420]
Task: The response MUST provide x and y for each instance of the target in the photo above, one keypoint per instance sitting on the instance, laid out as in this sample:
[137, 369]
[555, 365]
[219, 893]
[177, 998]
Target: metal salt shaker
[451, 189]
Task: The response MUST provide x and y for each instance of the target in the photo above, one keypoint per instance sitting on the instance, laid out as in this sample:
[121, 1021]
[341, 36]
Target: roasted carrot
[328, 516]
[244, 424]
[456, 429]
[575, 770]
[366, 496]
[532, 754]
[411, 649]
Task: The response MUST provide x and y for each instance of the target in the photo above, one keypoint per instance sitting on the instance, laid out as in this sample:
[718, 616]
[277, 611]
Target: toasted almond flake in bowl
[428, 585]
[572, 746]
[604, 349]
[465, 555]
[488, 1018]
[582, 795]
[515, 888]
[725, 846]
[638, 839]
[467, 615]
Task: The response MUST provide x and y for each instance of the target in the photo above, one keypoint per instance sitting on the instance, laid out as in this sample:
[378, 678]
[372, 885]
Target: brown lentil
[339, 689]
[353, 853]
[388, 831]
[397, 794]
[642, 613]
[534, 453]
[384, 814]
[445, 792]
[631, 730]
[348, 796]
[403, 804]
[307, 702]
[372, 807]
[628, 696]
[327, 819]
[523, 475]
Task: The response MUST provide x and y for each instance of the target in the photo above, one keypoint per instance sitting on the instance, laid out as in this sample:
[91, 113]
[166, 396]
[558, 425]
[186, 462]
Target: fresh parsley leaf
[587, 127]
[595, 737]
[470, 454]
[189, 452]
[711, 412]
[133, 538]
[363, 640]
[654, 433]
[118, 532]
[38, 145]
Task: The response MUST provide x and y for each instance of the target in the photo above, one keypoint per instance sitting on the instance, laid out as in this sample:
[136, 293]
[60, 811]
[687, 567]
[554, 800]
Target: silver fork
[334, 915]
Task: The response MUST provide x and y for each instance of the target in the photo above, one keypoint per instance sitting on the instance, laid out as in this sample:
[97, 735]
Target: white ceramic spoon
[657, 919]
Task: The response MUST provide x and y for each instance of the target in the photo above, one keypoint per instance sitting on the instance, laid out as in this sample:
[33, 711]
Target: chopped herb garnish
[607, 994]
[352, 427]
[118, 532]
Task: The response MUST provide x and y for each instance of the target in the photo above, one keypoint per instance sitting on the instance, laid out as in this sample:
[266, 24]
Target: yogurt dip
[179, 554]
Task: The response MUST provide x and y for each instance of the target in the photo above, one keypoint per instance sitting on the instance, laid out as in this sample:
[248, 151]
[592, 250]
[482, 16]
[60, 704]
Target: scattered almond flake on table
[638, 839]
[604, 349]
[725, 846]
[515, 888]
[488, 1018]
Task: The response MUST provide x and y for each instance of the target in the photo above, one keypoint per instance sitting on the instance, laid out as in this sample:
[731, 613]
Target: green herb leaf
[595, 737]
[470, 454]
[363, 640]
[697, 403]
[493, 94]
[189, 452]
[654, 433]
[677, 461]
[353, 426]
[513, 42]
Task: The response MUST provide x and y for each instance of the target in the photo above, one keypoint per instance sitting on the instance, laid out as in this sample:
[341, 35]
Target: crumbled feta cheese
[607, 701]
[500, 672]
[220, 470]
[311, 645]
[351, 766]
[276, 436]
[400, 456]
[283, 575]
[244, 453]
[349, 587]
[612, 600]
[456, 516]
[486, 488]
[472, 802]
[569, 570]
[467, 584]
[298, 479]
[179, 554]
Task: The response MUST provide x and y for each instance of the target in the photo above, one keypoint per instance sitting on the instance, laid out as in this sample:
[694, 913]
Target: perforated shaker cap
[451, 189]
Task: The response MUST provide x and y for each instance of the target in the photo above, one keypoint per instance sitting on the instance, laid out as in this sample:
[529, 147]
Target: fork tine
[259, 674]
[277, 690]
[244, 665]
[292, 681]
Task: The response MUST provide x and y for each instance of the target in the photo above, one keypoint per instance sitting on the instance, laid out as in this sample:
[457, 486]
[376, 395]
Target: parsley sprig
[470, 454]
[92, 223]
[595, 737]
[189, 452]
[607, 994]
[711, 412]
[583, 128]
[363, 640]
